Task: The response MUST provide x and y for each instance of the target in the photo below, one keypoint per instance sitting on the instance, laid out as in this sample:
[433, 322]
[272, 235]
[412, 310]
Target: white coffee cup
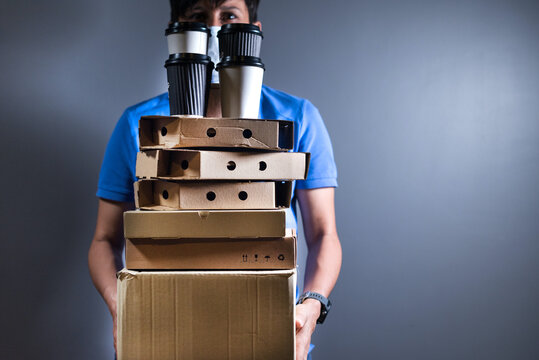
[241, 85]
[187, 37]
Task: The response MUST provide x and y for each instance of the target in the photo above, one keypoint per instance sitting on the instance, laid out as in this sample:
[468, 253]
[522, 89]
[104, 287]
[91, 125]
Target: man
[315, 195]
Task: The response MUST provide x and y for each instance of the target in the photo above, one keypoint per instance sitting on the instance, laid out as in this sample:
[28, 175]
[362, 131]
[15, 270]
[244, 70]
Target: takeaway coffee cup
[240, 78]
[187, 37]
[239, 40]
[189, 78]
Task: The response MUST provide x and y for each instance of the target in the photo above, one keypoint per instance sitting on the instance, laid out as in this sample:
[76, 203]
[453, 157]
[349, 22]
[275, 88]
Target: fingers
[303, 340]
[304, 330]
[301, 317]
[300, 322]
[114, 334]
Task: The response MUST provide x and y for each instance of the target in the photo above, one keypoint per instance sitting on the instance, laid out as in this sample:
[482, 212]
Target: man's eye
[228, 16]
[197, 17]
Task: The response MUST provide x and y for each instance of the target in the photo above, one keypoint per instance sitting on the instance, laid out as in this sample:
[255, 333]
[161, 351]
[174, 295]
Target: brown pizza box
[153, 194]
[221, 165]
[164, 132]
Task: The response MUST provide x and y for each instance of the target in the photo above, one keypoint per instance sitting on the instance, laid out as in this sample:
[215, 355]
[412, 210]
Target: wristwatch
[326, 304]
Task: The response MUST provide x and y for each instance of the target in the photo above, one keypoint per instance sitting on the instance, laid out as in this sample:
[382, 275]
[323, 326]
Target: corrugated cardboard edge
[136, 188]
[283, 190]
[307, 163]
[127, 275]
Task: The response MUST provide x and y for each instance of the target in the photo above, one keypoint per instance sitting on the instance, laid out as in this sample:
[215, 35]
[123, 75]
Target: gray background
[433, 109]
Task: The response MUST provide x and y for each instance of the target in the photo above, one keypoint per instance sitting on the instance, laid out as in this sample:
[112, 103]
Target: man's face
[226, 12]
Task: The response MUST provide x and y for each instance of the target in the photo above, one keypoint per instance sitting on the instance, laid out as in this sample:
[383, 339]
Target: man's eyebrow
[195, 8]
[228, 8]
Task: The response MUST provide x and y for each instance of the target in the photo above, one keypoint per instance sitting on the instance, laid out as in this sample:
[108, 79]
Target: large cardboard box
[221, 165]
[188, 195]
[160, 132]
[211, 254]
[188, 315]
[186, 224]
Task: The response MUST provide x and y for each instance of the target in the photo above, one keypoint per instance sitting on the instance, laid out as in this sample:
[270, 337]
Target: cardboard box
[211, 254]
[186, 224]
[186, 195]
[165, 132]
[221, 165]
[188, 315]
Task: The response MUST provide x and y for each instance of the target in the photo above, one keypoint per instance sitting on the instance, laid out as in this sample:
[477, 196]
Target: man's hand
[112, 304]
[306, 316]
[105, 254]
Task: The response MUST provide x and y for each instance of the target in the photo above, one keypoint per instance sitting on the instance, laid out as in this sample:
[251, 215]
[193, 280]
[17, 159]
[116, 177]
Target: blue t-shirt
[310, 135]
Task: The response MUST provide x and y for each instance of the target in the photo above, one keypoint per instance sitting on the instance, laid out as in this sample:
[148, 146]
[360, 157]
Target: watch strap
[326, 303]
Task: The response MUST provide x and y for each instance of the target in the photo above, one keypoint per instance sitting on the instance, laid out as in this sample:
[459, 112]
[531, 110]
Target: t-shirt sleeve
[313, 138]
[118, 169]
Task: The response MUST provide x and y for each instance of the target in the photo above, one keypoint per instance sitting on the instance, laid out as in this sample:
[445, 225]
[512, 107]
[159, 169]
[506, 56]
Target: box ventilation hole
[242, 195]
[165, 194]
[164, 131]
[185, 164]
[211, 132]
[247, 133]
[210, 195]
[262, 166]
[231, 165]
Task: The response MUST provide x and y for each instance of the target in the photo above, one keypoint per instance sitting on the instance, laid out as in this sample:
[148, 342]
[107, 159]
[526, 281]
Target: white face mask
[213, 52]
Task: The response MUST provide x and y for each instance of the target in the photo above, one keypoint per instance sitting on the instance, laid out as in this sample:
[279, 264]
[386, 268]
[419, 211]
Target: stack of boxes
[210, 266]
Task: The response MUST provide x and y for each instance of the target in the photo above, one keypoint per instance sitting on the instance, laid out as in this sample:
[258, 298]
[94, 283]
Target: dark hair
[179, 8]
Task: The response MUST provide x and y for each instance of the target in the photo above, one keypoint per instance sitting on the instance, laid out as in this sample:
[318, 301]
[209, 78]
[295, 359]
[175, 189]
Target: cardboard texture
[164, 132]
[211, 254]
[188, 195]
[235, 315]
[221, 165]
[186, 224]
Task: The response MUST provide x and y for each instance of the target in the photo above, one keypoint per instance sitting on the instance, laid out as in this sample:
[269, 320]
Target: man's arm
[105, 254]
[323, 259]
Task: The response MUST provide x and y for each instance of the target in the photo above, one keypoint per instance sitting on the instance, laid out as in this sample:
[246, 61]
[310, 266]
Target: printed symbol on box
[256, 257]
[280, 257]
[267, 257]
[244, 257]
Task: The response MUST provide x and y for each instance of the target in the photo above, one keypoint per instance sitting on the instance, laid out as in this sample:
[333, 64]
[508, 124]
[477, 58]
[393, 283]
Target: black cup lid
[178, 27]
[188, 58]
[240, 61]
[238, 27]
